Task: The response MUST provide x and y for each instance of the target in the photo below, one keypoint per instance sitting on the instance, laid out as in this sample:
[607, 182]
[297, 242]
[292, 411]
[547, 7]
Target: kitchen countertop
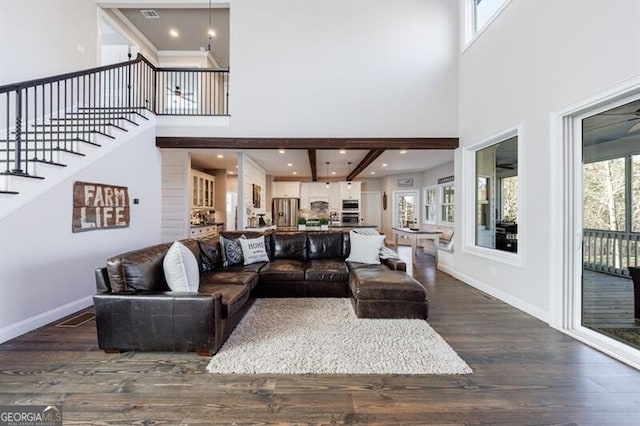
[208, 224]
[334, 226]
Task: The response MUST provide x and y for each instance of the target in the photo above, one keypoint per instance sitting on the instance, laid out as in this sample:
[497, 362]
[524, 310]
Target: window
[429, 197]
[635, 193]
[604, 195]
[447, 203]
[479, 14]
[497, 189]
[483, 11]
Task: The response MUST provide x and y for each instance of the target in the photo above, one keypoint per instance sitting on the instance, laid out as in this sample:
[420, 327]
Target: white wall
[145, 49]
[48, 271]
[341, 68]
[46, 37]
[431, 176]
[537, 57]
[250, 173]
[176, 194]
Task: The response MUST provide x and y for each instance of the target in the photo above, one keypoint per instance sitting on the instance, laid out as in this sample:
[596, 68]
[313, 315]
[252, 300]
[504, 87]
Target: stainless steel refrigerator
[285, 211]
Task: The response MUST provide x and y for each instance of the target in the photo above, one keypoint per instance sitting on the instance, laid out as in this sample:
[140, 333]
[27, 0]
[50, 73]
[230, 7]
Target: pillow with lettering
[254, 250]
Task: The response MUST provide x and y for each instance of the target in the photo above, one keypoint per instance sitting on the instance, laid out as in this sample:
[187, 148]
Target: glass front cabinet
[202, 190]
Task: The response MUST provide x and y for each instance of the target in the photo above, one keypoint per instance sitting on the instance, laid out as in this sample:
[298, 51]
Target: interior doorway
[372, 209]
[114, 46]
[232, 209]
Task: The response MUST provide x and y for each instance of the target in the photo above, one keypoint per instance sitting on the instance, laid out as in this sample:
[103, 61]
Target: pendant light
[209, 30]
[327, 163]
[349, 182]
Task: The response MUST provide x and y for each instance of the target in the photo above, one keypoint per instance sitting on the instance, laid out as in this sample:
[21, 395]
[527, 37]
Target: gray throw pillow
[231, 251]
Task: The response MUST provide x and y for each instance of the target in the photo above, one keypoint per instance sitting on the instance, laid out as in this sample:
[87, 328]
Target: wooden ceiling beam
[362, 165]
[306, 143]
[312, 164]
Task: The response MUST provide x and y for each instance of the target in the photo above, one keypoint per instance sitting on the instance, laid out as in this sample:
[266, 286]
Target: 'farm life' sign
[99, 206]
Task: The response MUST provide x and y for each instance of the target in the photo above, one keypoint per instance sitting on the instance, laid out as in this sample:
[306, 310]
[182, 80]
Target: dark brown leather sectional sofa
[135, 309]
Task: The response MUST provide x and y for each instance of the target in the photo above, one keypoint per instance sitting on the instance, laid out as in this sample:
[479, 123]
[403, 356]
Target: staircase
[50, 123]
[58, 141]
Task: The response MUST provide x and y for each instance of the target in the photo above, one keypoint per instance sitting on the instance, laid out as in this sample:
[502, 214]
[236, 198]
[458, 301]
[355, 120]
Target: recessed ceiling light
[343, 151]
[236, 166]
[384, 164]
[282, 151]
[174, 33]
[333, 173]
[289, 165]
[230, 172]
[211, 33]
[295, 173]
[220, 156]
[404, 151]
[373, 173]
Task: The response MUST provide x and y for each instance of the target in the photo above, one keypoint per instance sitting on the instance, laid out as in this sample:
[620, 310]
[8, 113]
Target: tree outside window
[447, 203]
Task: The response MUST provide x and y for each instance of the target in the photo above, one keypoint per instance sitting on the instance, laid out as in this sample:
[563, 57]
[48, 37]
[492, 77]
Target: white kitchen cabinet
[203, 190]
[203, 231]
[352, 193]
[285, 189]
[313, 191]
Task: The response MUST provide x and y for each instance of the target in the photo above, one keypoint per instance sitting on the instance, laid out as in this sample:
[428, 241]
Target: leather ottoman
[378, 292]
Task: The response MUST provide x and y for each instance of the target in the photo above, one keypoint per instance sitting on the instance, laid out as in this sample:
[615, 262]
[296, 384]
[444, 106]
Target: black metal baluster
[8, 158]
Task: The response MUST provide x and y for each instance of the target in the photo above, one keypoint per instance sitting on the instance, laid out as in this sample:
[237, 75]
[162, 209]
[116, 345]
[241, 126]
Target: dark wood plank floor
[607, 301]
[525, 373]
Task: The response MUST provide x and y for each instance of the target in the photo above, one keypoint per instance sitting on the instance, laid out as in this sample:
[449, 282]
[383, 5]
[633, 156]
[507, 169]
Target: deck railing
[610, 251]
[42, 117]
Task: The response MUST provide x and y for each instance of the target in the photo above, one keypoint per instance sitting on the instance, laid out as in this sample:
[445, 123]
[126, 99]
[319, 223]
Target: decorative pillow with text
[254, 250]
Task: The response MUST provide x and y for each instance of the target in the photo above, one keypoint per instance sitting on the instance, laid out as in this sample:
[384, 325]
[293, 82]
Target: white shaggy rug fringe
[324, 336]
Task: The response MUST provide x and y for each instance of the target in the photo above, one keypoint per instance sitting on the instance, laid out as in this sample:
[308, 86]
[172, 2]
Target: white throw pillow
[254, 250]
[365, 248]
[181, 268]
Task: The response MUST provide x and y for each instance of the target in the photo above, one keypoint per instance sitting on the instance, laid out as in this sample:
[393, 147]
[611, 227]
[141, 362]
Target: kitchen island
[335, 227]
[206, 229]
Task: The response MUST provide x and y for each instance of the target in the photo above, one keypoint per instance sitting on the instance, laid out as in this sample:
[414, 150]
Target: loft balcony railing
[41, 118]
[611, 252]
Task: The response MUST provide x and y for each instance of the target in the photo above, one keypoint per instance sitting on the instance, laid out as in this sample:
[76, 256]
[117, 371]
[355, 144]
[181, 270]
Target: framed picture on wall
[256, 196]
[405, 182]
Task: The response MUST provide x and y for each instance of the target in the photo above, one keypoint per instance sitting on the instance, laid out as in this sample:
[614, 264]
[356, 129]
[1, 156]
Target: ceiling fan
[635, 116]
[507, 166]
[178, 94]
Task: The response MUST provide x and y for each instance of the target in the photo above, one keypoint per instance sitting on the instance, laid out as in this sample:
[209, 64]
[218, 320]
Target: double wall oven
[350, 212]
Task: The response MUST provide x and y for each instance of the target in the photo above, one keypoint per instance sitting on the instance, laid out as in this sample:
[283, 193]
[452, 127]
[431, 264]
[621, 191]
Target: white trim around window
[468, 198]
[565, 251]
[439, 215]
[433, 205]
[468, 32]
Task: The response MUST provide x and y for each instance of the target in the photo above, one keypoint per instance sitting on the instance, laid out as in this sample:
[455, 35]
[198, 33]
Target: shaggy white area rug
[324, 336]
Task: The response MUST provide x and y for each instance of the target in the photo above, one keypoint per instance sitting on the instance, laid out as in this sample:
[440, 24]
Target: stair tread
[21, 174]
[47, 141]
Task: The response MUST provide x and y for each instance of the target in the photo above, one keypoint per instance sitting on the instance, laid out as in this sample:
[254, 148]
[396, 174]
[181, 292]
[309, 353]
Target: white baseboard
[14, 330]
[507, 298]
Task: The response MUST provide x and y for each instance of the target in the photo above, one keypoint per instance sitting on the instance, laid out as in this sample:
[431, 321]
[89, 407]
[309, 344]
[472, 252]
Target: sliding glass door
[611, 221]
